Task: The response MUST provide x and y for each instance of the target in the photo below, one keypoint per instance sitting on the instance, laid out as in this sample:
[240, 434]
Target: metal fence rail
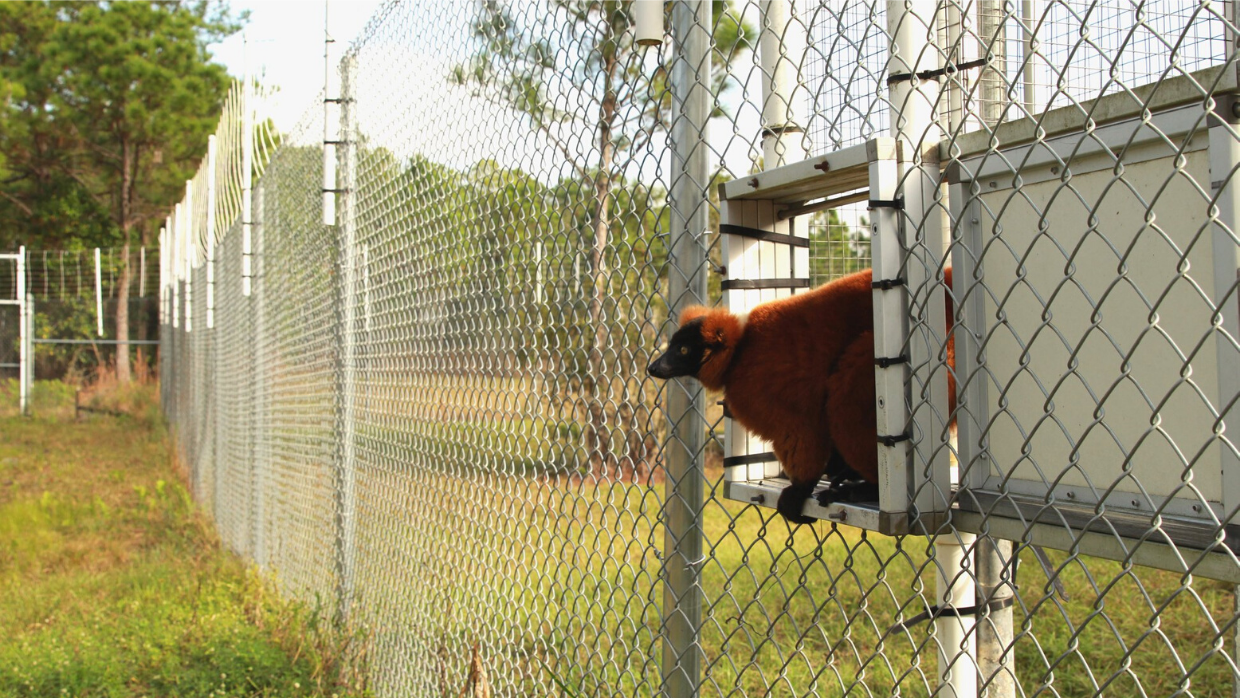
[405, 361]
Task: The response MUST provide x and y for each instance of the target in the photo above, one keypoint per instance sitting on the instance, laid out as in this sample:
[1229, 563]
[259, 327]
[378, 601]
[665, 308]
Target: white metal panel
[1224, 159]
[1079, 363]
[890, 329]
[930, 475]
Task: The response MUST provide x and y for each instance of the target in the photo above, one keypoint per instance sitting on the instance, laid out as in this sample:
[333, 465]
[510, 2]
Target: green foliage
[835, 248]
[112, 583]
[606, 236]
[588, 54]
[108, 110]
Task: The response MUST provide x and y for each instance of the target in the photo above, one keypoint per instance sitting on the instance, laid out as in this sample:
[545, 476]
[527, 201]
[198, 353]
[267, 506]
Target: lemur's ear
[692, 313]
[721, 328]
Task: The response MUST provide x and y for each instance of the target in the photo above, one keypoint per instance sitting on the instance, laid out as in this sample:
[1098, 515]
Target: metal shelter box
[1096, 341]
[765, 249]
[1096, 355]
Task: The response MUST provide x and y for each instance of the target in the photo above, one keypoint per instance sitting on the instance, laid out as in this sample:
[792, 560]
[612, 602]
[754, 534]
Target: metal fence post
[210, 237]
[247, 175]
[24, 355]
[259, 455]
[186, 227]
[98, 294]
[346, 470]
[28, 369]
[682, 547]
[174, 266]
[996, 660]
[782, 39]
[912, 27]
[993, 37]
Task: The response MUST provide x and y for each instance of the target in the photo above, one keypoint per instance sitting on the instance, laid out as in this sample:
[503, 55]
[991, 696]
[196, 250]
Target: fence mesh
[432, 416]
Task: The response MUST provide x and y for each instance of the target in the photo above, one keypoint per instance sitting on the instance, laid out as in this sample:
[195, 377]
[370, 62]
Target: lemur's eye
[684, 351]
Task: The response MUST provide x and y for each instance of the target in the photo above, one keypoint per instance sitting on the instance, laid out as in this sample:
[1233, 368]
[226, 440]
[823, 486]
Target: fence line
[429, 411]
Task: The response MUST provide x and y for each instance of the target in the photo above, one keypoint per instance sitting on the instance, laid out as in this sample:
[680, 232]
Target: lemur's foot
[852, 491]
[792, 499]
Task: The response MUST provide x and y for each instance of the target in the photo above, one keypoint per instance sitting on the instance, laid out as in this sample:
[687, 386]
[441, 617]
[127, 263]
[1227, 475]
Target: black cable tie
[884, 362]
[781, 130]
[751, 284]
[765, 235]
[948, 69]
[893, 440]
[887, 284]
[897, 204]
[937, 612]
[751, 459]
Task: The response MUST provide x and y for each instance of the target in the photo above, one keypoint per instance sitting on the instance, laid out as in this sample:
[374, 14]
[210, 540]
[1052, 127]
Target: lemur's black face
[686, 352]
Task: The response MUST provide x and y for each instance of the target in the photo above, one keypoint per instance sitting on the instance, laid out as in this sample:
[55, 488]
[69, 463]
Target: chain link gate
[420, 397]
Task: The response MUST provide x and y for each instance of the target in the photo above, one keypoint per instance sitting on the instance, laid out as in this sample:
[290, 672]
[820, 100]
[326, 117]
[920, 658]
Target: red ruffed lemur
[798, 372]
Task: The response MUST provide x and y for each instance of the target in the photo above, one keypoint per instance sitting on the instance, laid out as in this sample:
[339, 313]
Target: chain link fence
[72, 297]
[404, 346]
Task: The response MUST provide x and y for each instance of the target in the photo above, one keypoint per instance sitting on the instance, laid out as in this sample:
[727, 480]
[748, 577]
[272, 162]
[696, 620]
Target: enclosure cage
[1107, 225]
[765, 248]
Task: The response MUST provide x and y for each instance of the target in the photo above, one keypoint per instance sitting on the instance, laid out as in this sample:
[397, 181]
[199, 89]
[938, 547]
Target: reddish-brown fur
[799, 372]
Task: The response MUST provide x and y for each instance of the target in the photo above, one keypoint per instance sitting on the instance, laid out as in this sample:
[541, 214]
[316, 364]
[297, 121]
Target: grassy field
[560, 583]
[112, 584]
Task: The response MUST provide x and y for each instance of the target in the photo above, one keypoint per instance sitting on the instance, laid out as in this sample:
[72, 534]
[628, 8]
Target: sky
[284, 44]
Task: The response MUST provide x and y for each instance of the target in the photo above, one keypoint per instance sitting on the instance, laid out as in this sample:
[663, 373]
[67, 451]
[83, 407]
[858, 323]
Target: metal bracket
[1226, 110]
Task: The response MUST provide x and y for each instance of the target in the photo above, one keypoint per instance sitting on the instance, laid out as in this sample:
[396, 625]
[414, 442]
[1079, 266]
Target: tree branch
[16, 202]
[555, 140]
[563, 148]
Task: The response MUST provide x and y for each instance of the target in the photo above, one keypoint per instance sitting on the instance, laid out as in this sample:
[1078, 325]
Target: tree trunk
[597, 385]
[122, 295]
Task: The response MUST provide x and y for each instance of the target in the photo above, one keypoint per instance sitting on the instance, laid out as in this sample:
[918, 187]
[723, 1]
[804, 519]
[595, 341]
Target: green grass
[112, 584]
[560, 584]
[112, 581]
